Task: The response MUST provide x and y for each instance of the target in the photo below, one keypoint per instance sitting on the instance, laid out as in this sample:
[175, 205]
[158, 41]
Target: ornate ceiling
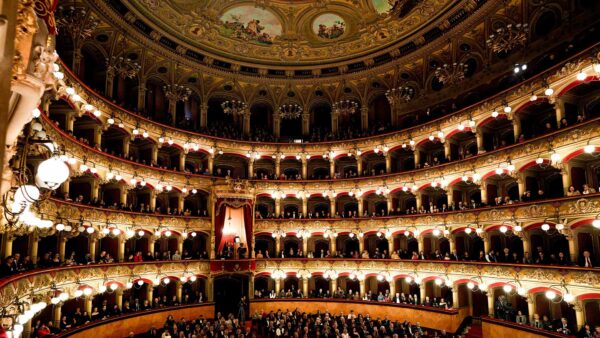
[299, 32]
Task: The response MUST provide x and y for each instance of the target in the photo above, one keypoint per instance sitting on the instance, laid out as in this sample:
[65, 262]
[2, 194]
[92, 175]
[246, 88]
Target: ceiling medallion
[290, 111]
[508, 38]
[233, 107]
[401, 94]
[345, 107]
[76, 22]
[451, 74]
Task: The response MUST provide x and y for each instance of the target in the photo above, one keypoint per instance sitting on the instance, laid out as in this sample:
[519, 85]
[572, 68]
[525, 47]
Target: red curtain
[220, 209]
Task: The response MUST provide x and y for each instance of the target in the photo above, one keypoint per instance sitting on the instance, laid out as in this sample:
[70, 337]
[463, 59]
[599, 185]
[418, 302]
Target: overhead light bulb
[470, 285]
[550, 294]
[589, 149]
[495, 114]
[549, 91]
[507, 288]
[545, 226]
[581, 76]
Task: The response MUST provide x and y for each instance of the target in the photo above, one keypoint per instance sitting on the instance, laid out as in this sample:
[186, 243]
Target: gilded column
[211, 164]
[121, 249]
[364, 118]
[150, 293]
[483, 190]
[305, 206]
[490, 297]
[417, 156]
[359, 165]
[363, 287]
[203, 115]
[390, 203]
[179, 291]
[531, 307]
[33, 247]
[277, 207]
[388, 163]
[209, 289]
[172, 110]
[56, 314]
[277, 166]
[331, 168]
[565, 172]
[126, 141]
[422, 292]
[98, 136]
[516, 127]
[579, 314]
[141, 104]
[182, 161]
[306, 124]
[246, 123]
[152, 199]
[62, 244]
[450, 195]
[361, 206]
[334, 121]
[251, 288]
[455, 304]
[305, 287]
[333, 285]
[154, 153]
[119, 298]
[559, 109]
[251, 167]
[277, 286]
[276, 125]
[304, 169]
[479, 138]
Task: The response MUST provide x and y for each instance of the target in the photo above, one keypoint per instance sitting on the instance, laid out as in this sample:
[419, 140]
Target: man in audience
[586, 260]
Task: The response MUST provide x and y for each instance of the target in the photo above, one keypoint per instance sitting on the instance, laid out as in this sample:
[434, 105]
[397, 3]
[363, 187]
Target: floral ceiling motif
[292, 31]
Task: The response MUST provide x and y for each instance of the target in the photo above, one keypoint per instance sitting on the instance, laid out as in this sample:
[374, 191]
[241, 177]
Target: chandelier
[345, 107]
[234, 107]
[290, 111]
[177, 92]
[401, 94]
[123, 67]
[76, 22]
[450, 74]
[508, 37]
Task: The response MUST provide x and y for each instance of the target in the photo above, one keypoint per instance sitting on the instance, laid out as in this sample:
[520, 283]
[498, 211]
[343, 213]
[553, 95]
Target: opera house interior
[300, 168]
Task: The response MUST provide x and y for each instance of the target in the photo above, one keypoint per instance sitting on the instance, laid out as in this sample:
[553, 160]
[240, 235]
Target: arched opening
[346, 206]
[265, 245]
[228, 290]
[497, 133]
[349, 246]
[85, 129]
[140, 150]
[537, 119]
[261, 121]
[157, 106]
[92, 69]
[380, 114]
[463, 145]
[113, 140]
[543, 181]
[168, 157]
[320, 115]
[229, 165]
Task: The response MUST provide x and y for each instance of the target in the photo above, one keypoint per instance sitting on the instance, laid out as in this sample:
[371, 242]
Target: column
[277, 166]
[361, 244]
[531, 307]
[277, 246]
[27, 329]
[126, 147]
[141, 104]
[559, 108]
[62, 244]
[361, 206]
[151, 242]
[179, 291]
[203, 115]
[33, 247]
[77, 61]
[487, 244]
[392, 285]
[417, 156]
[305, 245]
[422, 292]
[64, 188]
[209, 289]
[418, 199]
[305, 206]
[180, 245]
[455, 304]
[479, 138]
[87, 304]
[332, 244]
[483, 189]
[123, 196]
[390, 203]
[579, 314]
[119, 298]
[388, 163]
[180, 202]
[304, 168]
[305, 287]
[306, 123]
[152, 199]
[333, 285]
[70, 121]
[447, 149]
[516, 127]
[211, 164]
[246, 123]
[420, 245]
[359, 165]
[452, 242]
[150, 293]
[95, 189]
[450, 194]
[391, 247]
[565, 172]
[364, 118]
[521, 183]
[154, 153]
[110, 80]
[98, 136]
[251, 167]
[251, 288]
[182, 161]
[526, 243]
[573, 245]
[277, 207]
[334, 121]
[332, 206]
[276, 125]
[121, 249]
[56, 314]
[331, 168]
[172, 109]
[490, 297]
[92, 247]
[363, 287]
[277, 286]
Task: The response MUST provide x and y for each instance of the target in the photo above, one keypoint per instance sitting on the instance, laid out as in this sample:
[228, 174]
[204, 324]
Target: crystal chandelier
[234, 107]
[400, 95]
[508, 37]
[177, 92]
[290, 111]
[450, 74]
[76, 22]
[345, 107]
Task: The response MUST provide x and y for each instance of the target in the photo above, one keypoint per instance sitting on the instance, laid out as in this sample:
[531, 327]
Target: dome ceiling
[298, 32]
